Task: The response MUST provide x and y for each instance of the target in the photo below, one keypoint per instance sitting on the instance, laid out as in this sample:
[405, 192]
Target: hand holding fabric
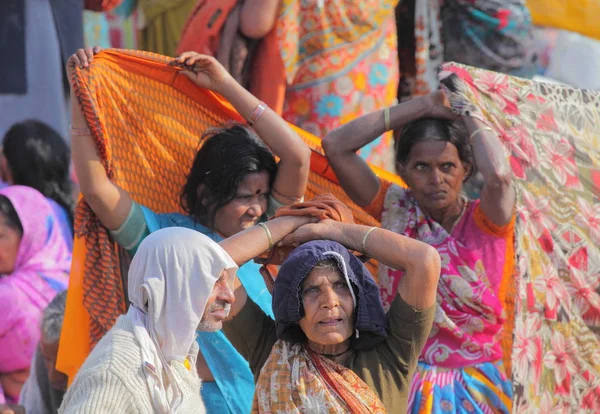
[205, 71]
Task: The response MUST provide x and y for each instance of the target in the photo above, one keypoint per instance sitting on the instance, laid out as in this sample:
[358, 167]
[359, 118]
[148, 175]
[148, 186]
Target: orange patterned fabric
[147, 121]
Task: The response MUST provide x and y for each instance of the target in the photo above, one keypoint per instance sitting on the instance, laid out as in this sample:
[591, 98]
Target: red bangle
[258, 111]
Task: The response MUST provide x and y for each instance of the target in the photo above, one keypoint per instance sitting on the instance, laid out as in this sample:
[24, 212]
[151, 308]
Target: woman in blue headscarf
[331, 344]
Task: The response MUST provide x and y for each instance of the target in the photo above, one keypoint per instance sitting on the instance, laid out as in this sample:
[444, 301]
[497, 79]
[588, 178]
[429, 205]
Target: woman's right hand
[438, 106]
[81, 58]
[205, 71]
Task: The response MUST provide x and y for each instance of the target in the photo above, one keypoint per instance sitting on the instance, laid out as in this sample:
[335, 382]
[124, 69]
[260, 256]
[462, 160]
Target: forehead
[432, 151]
[319, 275]
[254, 181]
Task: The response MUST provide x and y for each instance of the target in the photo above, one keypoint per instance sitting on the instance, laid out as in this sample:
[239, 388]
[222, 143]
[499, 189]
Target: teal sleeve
[133, 230]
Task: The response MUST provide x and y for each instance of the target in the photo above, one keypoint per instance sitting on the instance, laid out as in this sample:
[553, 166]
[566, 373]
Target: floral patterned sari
[296, 380]
[464, 345]
[551, 135]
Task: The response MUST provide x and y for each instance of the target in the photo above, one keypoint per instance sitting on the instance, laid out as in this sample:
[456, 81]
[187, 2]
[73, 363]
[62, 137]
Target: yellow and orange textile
[579, 16]
[147, 120]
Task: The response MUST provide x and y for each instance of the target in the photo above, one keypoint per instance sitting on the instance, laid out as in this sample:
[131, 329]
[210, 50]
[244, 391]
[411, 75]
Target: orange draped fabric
[147, 121]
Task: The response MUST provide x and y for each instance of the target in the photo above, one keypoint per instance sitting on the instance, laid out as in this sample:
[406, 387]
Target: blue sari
[233, 389]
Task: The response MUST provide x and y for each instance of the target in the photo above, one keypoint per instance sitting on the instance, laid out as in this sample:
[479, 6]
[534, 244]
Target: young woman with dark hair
[233, 184]
[434, 157]
[35, 155]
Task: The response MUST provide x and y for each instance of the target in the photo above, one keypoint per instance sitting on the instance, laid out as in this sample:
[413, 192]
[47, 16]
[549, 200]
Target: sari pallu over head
[469, 315]
[41, 270]
[551, 135]
[296, 379]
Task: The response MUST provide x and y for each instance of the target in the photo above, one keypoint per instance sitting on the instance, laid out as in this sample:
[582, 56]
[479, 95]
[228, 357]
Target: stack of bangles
[258, 111]
[79, 132]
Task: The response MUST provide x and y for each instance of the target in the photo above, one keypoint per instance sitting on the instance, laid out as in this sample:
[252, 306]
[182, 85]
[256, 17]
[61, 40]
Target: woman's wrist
[226, 87]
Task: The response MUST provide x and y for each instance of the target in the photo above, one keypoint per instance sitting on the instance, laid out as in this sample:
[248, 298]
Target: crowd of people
[211, 322]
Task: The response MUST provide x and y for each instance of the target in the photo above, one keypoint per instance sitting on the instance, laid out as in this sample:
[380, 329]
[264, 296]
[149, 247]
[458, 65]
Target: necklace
[331, 356]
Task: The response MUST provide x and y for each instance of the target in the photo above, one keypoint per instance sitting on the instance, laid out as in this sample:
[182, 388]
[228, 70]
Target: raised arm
[110, 203]
[341, 145]
[420, 261]
[251, 243]
[497, 195]
[292, 171]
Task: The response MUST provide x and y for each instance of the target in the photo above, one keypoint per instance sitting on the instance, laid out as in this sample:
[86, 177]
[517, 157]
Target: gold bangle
[386, 119]
[364, 240]
[266, 228]
[477, 131]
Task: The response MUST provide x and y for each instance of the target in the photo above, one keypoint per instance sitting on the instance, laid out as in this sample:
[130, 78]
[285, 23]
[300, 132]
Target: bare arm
[420, 261]
[109, 202]
[292, 171]
[253, 242]
[258, 17]
[497, 195]
[341, 145]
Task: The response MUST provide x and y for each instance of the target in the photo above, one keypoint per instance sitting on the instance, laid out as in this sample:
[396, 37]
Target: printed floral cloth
[340, 63]
[552, 135]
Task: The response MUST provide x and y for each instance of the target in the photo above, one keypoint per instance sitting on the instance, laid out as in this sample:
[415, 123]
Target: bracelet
[264, 226]
[78, 132]
[258, 111]
[386, 118]
[364, 240]
[292, 199]
[477, 131]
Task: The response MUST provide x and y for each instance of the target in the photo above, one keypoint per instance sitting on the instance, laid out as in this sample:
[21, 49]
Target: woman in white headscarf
[179, 280]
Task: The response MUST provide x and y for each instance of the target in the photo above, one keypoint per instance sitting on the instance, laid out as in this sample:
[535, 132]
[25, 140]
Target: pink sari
[41, 271]
[469, 317]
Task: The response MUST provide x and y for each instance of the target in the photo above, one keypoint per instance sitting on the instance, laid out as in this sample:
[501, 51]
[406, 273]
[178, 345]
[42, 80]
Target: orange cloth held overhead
[147, 120]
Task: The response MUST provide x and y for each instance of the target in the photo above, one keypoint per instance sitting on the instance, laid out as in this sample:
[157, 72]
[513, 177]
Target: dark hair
[432, 129]
[38, 157]
[9, 214]
[226, 156]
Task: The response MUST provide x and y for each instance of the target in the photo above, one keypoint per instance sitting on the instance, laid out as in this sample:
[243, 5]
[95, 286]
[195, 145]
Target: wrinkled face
[249, 204]
[49, 352]
[9, 247]
[328, 307]
[435, 174]
[219, 304]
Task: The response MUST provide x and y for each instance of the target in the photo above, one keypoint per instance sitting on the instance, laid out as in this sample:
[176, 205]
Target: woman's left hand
[438, 106]
[205, 71]
[313, 231]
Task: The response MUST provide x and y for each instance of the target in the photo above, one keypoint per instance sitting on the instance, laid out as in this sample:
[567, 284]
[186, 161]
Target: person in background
[35, 155]
[234, 183]
[45, 388]
[34, 267]
[318, 63]
[28, 89]
[494, 35]
[461, 367]
[161, 24]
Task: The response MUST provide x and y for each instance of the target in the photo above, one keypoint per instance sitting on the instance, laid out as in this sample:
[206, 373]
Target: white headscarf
[170, 280]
